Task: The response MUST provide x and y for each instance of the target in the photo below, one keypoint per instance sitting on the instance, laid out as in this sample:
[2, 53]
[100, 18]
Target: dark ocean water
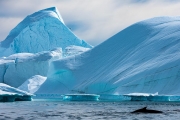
[59, 110]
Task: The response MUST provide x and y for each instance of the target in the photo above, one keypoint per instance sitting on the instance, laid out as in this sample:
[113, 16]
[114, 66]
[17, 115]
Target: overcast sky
[91, 20]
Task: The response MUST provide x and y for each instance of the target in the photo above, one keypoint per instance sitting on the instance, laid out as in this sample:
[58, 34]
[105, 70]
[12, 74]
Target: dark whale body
[145, 110]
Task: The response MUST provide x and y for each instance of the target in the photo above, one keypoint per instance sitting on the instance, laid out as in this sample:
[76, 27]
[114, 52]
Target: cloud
[7, 24]
[91, 20]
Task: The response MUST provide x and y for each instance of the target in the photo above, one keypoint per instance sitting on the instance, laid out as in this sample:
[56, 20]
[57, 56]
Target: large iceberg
[42, 31]
[42, 56]
[143, 58]
[36, 41]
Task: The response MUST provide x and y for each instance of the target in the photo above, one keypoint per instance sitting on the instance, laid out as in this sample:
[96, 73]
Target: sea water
[97, 110]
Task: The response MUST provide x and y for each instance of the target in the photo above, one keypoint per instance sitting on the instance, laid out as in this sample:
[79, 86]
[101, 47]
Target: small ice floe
[11, 94]
[81, 97]
[148, 97]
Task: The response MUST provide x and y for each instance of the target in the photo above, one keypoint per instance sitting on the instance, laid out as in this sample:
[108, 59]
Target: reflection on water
[37, 110]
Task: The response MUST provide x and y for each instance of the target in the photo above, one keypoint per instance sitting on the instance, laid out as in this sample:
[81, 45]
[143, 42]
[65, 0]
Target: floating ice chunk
[148, 97]
[109, 97]
[12, 98]
[11, 94]
[81, 97]
[139, 96]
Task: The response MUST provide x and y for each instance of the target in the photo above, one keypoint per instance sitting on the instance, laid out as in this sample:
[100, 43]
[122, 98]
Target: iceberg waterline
[143, 58]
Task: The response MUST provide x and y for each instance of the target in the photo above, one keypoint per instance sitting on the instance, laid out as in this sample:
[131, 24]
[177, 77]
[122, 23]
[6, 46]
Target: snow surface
[42, 31]
[143, 58]
[73, 50]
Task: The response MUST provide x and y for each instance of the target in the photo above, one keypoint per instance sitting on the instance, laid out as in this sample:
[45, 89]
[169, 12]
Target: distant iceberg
[81, 97]
[152, 97]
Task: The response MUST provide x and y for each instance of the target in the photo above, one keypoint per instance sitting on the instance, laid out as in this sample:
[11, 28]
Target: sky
[91, 20]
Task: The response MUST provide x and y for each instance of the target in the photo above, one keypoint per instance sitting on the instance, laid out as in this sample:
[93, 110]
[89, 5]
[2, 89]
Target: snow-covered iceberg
[41, 31]
[143, 58]
[42, 56]
[36, 41]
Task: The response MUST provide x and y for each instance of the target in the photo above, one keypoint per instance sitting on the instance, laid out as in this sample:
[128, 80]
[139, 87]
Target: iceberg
[143, 58]
[41, 55]
[36, 41]
[81, 97]
[11, 94]
[41, 31]
[152, 97]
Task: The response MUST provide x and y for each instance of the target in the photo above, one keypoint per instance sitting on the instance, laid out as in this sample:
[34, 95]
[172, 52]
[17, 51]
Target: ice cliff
[17, 68]
[42, 31]
[143, 58]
